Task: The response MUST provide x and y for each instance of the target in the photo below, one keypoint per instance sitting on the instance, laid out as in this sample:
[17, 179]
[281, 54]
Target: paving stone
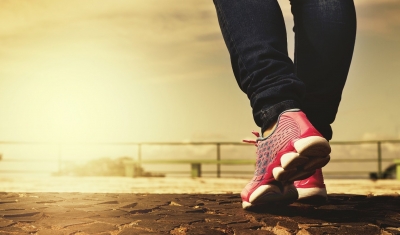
[54, 232]
[59, 221]
[392, 231]
[245, 225]
[117, 220]
[27, 227]
[207, 231]
[49, 201]
[289, 225]
[96, 208]
[184, 218]
[94, 228]
[21, 216]
[110, 213]
[388, 222]
[26, 219]
[322, 230]
[5, 222]
[255, 232]
[363, 229]
[13, 230]
[130, 231]
[162, 227]
[54, 209]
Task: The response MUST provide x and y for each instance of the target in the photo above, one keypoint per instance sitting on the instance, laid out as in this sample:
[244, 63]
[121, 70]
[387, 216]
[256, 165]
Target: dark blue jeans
[255, 35]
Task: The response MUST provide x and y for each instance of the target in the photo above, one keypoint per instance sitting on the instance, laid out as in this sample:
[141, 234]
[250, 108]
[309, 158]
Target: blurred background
[83, 83]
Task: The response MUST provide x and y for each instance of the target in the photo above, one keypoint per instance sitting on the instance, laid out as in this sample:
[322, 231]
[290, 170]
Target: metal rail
[60, 146]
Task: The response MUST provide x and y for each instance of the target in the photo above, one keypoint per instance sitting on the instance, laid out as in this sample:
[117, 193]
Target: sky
[159, 71]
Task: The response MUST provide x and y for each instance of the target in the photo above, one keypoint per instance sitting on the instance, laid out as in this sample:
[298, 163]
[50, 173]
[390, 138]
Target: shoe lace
[257, 134]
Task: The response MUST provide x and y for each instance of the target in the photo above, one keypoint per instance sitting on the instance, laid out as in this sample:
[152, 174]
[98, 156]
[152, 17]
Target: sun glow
[71, 95]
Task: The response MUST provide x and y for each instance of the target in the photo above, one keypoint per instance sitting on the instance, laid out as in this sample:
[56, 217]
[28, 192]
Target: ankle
[269, 130]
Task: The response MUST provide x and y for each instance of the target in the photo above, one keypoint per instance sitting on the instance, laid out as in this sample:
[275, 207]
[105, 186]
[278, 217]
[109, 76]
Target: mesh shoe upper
[292, 126]
[267, 153]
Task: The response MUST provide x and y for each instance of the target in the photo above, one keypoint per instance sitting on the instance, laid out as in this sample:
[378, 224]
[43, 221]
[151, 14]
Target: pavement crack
[255, 228]
[142, 211]
[132, 205]
[81, 224]
[196, 221]
[239, 222]
[4, 202]
[49, 201]
[108, 202]
[225, 202]
[21, 214]
[254, 220]
[208, 199]
[11, 223]
[203, 210]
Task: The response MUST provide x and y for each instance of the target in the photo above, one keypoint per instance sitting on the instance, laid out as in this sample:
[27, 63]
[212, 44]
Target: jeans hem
[270, 115]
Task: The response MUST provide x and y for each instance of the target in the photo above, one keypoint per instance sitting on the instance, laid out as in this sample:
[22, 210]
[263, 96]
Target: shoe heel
[265, 193]
[313, 146]
[292, 160]
[312, 194]
[291, 175]
[316, 163]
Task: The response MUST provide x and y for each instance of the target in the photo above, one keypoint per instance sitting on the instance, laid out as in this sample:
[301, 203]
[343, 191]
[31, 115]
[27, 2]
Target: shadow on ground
[91, 213]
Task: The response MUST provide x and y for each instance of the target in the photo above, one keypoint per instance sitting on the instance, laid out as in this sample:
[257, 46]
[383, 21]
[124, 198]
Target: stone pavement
[122, 213]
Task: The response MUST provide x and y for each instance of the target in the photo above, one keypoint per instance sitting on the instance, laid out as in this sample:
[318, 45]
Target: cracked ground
[124, 213]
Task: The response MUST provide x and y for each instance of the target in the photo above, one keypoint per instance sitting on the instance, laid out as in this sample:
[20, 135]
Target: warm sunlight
[125, 117]
[72, 94]
[159, 71]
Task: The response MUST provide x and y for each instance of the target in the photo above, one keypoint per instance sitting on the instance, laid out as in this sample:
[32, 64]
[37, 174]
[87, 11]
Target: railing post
[218, 159]
[196, 170]
[380, 175]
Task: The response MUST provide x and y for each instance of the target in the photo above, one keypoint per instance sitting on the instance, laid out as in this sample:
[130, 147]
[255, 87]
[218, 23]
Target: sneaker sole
[312, 195]
[312, 153]
[271, 195]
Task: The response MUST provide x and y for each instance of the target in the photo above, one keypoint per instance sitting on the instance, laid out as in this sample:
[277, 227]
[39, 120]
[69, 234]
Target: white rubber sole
[318, 194]
[271, 195]
[312, 153]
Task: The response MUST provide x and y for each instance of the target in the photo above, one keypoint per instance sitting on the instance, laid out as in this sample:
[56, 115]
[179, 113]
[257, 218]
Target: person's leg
[255, 35]
[324, 41]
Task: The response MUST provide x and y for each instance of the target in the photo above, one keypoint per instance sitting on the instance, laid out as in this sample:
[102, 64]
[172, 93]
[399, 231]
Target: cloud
[166, 40]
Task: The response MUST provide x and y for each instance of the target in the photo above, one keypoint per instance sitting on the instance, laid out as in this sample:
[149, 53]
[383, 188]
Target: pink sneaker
[293, 151]
[313, 188]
